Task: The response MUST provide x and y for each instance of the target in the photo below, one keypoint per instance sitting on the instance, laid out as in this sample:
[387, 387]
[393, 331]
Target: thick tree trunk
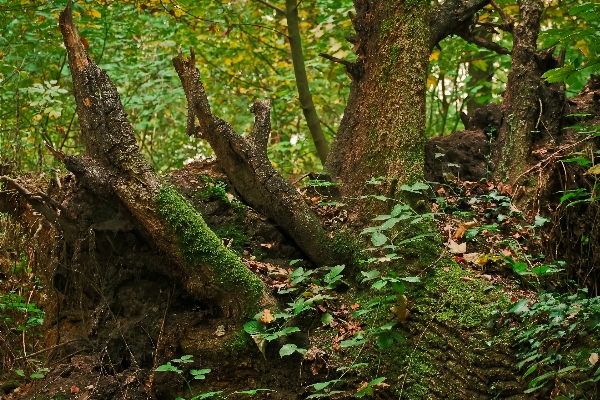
[383, 129]
[114, 170]
[382, 132]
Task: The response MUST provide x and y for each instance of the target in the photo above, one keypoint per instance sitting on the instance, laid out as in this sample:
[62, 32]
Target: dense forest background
[458, 259]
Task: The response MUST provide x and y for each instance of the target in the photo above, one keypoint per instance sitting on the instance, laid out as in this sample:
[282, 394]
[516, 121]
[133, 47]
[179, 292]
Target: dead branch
[249, 169]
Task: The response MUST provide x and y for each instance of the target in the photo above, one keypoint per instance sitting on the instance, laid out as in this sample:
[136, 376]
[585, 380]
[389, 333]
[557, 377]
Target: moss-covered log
[113, 168]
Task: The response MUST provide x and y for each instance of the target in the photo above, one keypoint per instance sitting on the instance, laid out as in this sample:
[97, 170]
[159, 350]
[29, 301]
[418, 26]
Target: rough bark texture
[247, 165]
[114, 170]
[382, 131]
[451, 16]
[522, 98]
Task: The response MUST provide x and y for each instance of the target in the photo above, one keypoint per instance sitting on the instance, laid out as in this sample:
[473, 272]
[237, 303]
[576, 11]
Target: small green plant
[548, 346]
[195, 373]
[37, 374]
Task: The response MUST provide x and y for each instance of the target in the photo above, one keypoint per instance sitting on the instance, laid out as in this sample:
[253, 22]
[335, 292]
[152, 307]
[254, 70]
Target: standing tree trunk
[522, 98]
[382, 132]
[383, 129]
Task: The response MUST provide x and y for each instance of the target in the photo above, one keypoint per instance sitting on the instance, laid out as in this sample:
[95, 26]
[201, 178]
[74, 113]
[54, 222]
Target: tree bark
[522, 98]
[382, 132]
[248, 167]
[114, 170]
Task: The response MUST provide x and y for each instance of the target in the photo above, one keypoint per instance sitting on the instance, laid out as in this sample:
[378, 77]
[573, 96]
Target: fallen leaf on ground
[266, 317]
[471, 257]
[456, 248]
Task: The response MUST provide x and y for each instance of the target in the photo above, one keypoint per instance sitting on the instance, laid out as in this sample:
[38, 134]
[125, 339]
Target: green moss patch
[456, 297]
[200, 245]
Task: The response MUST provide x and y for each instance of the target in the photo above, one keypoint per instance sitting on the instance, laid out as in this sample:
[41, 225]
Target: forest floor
[196, 349]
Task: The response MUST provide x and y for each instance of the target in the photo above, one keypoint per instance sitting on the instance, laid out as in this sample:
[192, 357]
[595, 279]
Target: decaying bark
[248, 167]
[113, 169]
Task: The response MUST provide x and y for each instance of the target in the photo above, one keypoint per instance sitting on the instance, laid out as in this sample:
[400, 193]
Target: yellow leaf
[93, 13]
[595, 170]
[480, 64]
[341, 53]
[243, 90]
[431, 81]
[435, 54]
[582, 45]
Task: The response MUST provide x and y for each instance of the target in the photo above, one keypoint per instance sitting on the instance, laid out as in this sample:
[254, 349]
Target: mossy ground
[447, 296]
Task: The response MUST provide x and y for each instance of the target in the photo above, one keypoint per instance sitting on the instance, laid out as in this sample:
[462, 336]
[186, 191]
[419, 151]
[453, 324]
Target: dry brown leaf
[466, 279]
[471, 257]
[460, 232]
[266, 317]
[456, 248]
[594, 358]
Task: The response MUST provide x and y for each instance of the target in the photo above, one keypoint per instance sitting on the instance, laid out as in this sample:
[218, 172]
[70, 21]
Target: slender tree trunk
[308, 107]
[522, 98]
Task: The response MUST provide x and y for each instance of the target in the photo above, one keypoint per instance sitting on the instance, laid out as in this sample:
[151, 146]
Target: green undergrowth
[199, 245]
[410, 300]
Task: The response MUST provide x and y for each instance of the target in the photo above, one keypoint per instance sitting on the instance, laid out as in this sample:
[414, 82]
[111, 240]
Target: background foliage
[243, 55]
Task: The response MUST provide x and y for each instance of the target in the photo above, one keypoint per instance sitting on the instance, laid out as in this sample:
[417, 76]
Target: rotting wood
[249, 169]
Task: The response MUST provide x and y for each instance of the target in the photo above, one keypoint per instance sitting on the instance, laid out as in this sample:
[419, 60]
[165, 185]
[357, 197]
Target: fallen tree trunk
[248, 167]
[114, 170]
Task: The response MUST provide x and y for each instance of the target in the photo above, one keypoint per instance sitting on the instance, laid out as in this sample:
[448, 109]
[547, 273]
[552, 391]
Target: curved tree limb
[113, 169]
[451, 15]
[247, 166]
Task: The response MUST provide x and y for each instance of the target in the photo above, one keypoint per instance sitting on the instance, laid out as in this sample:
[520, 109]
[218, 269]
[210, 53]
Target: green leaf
[326, 319]
[369, 275]
[530, 370]
[254, 391]
[254, 327]
[206, 395]
[290, 348]
[334, 274]
[559, 74]
[168, 367]
[520, 307]
[378, 239]
[199, 373]
[416, 188]
[379, 284]
[356, 341]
